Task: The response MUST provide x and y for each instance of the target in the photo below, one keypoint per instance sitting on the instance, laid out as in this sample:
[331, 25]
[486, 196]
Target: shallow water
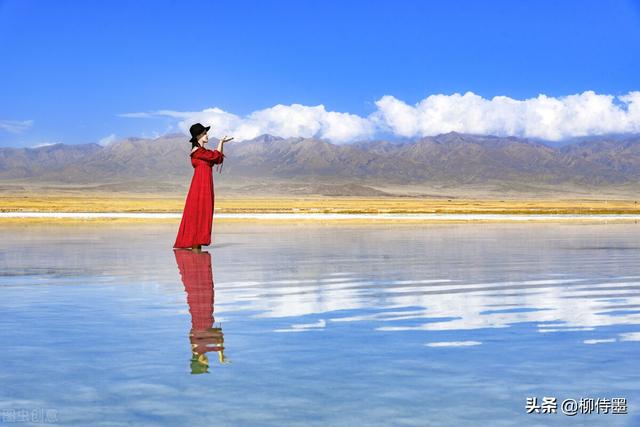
[318, 324]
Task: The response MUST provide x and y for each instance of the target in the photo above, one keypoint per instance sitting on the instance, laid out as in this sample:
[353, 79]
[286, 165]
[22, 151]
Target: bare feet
[196, 248]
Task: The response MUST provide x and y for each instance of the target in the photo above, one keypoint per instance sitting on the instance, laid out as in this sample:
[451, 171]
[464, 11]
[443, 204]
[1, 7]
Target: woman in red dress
[197, 218]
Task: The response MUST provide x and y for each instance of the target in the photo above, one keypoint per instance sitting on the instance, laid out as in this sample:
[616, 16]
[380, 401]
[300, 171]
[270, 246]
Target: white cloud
[453, 343]
[151, 135]
[542, 117]
[282, 120]
[15, 126]
[107, 140]
[44, 144]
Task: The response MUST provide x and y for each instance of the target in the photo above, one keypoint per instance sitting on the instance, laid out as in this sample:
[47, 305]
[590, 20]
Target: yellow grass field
[132, 203]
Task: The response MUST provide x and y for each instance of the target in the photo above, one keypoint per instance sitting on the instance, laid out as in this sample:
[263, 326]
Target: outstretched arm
[221, 148]
[221, 143]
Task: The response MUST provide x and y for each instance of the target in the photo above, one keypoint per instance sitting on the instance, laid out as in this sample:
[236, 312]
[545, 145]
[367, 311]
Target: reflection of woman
[197, 217]
[197, 277]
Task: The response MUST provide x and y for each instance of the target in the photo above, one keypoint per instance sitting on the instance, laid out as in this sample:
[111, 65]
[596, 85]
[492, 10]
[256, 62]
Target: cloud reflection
[445, 304]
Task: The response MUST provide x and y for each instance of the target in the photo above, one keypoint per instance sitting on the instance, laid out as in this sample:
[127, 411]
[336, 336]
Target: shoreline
[154, 208]
[316, 205]
[321, 217]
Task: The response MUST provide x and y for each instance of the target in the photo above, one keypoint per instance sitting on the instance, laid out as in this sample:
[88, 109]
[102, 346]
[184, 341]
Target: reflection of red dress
[195, 226]
[197, 276]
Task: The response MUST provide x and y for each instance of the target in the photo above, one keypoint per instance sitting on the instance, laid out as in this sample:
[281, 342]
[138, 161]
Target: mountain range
[451, 164]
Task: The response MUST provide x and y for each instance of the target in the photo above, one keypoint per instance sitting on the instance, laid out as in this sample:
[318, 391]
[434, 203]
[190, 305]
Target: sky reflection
[440, 325]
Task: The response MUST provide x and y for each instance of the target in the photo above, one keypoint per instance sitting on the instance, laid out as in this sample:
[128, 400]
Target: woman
[197, 218]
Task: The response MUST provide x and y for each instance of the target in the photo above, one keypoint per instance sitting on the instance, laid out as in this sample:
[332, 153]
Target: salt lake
[319, 324]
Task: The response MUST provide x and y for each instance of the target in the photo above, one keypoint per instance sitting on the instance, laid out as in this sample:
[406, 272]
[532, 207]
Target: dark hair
[194, 145]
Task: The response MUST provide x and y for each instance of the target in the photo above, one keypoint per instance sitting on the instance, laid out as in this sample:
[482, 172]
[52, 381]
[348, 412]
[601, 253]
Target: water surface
[319, 324]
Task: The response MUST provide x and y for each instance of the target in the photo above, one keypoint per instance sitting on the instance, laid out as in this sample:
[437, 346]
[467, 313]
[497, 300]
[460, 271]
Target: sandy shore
[126, 208]
[338, 205]
[111, 217]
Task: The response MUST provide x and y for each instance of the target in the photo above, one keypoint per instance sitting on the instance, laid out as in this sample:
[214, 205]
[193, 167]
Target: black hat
[196, 130]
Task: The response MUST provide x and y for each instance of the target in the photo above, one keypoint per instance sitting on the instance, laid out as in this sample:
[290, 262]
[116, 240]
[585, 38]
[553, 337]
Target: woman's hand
[222, 141]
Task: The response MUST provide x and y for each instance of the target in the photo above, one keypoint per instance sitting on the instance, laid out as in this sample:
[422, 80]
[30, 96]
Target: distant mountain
[34, 162]
[267, 164]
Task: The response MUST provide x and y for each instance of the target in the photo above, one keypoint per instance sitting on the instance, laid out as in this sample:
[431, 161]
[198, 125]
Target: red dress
[195, 226]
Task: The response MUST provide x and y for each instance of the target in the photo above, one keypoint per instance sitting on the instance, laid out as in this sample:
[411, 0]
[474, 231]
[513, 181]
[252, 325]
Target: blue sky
[72, 69]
